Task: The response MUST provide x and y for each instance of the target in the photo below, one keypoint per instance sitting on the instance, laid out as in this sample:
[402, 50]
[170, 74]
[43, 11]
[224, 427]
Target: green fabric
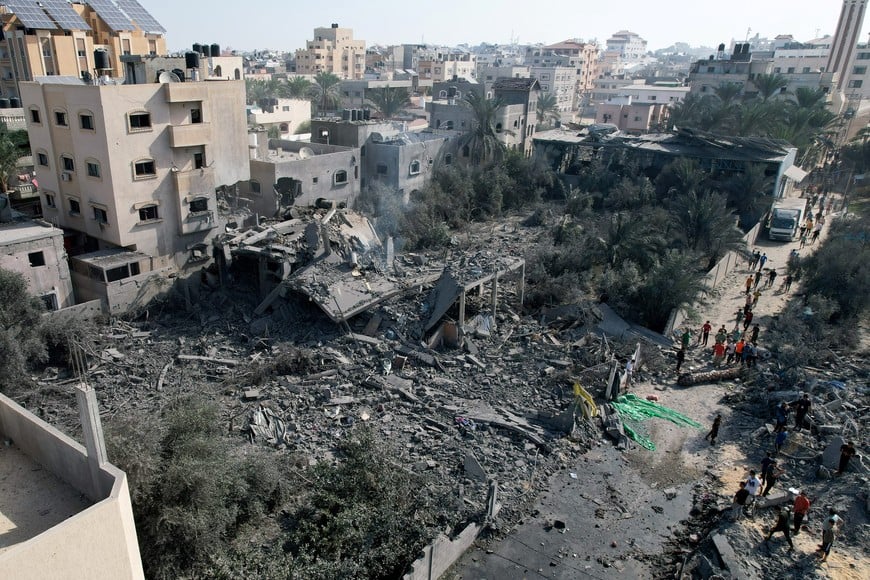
[633, 411]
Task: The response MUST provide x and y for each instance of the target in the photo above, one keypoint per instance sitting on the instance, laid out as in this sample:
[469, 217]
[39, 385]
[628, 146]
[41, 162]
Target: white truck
[786, 218]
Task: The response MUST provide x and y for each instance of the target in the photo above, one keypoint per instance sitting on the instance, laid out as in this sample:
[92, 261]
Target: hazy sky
[287, 24]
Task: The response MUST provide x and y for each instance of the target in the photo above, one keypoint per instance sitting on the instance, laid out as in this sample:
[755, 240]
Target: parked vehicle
[786, 217]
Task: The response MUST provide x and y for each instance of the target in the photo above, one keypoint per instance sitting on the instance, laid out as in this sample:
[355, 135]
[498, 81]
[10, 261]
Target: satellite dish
[376, 138]
[167, 77]
[306, 153]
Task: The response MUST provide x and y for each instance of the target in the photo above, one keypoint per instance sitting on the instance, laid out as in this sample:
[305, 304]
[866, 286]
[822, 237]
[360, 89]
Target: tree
[548, 110]
[20, 338]
[630, 239]
[809, 98]
[296, 88]
[389, 100]
[769, 85]
[257, 90]
[673, 283]
[482, 140]
[705, 224]
[10, 152]
[749, 193]
[326, 91]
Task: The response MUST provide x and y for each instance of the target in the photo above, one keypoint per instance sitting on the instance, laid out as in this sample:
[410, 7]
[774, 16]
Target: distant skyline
[270, 24]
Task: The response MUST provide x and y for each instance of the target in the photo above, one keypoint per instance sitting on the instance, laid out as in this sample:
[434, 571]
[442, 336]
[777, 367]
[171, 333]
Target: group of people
[737, 346]
[759, 484]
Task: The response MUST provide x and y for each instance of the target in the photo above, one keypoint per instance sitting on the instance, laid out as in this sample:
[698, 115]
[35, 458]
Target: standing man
[719, 352]
[771, 277]
[686, 338]
[782, 412]
[780, 440]
[681, 356]
[705, 330]
[629, 370]
[783, 524]
[766, 465]
[749, 284]
[847, 451]
[753, 336]
[830, 528]
[761, 262]
[800, 509]
[747, 320]
[714, 431]
[721, 334]
[788, 280]
[775, 473]
[801, 407]
[739, 501]
[753, 486]
[757, 278]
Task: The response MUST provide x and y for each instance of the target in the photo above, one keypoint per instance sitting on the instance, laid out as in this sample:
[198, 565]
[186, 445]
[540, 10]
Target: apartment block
[82, 39]
[136, 166]
[335, 51]
[560, 82]
[630, 46]
[448, 65]
[286, 115]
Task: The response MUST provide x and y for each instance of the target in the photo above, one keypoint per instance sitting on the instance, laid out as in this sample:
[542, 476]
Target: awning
[795, 173]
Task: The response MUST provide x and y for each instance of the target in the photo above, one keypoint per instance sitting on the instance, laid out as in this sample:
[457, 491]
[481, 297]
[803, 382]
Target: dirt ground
[622, 509]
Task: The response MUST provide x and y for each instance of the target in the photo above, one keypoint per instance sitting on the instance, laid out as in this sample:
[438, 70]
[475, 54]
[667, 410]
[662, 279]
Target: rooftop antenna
[748, 32]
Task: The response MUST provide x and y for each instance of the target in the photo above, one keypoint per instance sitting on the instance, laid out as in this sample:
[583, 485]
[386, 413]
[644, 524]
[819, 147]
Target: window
[711, 69]
[148, 213]
[652, 98]
[75, 208]
[498, 128]
[777, 69]
[790, 70]
[144, 168]
[35, 117]
[93, 169]
[545, 77]
[448, 159]
[255, 186]
[117, 273]
[198, 205]
[414, 169]
[42, 159]
[67, 163]
[382, 169]
[864, 56]
[339, 177]
[856, 84]
[140, 121]
[545, 87]
[198, 160]
[314, 180]
[805, 70]
[86, 122]
[859, 70]
[196, 116]
[36, 259]
[60, 119]
[49, 200]
[101, 215]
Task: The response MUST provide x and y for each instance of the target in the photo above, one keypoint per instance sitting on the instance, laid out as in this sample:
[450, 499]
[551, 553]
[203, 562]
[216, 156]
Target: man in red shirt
[801, 507]
[706, 331]
[718, 353]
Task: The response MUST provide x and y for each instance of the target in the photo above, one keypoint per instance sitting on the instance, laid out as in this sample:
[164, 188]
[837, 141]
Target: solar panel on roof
[140, 16]
[64, 15]
[111, 15]
[30, 15]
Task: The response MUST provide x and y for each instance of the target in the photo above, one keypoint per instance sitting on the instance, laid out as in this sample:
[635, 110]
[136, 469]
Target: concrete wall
[123, 295]
[398, 157]
[53, 277]
[97, 543]
[441, 554]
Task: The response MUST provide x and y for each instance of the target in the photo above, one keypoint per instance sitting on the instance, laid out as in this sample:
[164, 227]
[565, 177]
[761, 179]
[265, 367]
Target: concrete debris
[473, 468]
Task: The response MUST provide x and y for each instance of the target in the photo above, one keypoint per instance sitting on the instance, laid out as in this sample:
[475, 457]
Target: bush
[20, 320]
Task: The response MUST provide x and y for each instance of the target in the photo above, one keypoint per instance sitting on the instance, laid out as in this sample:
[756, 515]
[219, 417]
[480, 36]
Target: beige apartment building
[137, 166]
[60, 39]
[333, 50]
[447, 66]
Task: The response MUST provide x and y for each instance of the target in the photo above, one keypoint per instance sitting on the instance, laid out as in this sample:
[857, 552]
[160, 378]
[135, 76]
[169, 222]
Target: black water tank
[722, 47]
[345, 114]
[205, 50]
[197, 48]
[179, 73]
[367, 114]
[191, 60]
[101, 59]
[215, 50]
[4, 103]
[15, 102]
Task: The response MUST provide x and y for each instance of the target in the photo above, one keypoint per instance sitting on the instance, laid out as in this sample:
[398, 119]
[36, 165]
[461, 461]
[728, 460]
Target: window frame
[337, 174]
[144, 219]
[61, 115]
[97, 210]
[89, 163]
[67, 163]
[196, 200]
[142, 176]
[41, 156]
[87, 115]
[411, 170]
[141, 128]
[77, 212]
[50, 200]
[35, 115]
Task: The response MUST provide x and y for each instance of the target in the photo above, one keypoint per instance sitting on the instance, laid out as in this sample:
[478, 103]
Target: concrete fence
[714, 277]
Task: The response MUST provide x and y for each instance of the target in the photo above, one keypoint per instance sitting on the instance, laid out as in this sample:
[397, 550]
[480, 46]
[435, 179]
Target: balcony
[194, 181]
[189, 135]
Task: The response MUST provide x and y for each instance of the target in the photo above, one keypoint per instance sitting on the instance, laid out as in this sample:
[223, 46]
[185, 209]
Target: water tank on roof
[101, 59]
[367, 114]
[179, 73]
[721, 47]
[191, 60]
[205, 50]
[197, 47]
[345, 114]
[215, 50]
[4, 103]
[353, 115]
[15, 102]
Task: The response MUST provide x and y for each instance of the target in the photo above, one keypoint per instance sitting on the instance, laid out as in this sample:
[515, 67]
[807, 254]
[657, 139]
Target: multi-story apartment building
[333, 50]
[560, 82]
[581, 57]
[629, 45]
[286, 115]
[136, 166]
[448, 65]
[60, 39]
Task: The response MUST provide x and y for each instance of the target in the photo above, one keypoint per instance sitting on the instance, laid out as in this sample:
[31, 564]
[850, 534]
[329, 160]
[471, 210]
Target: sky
[287, 24]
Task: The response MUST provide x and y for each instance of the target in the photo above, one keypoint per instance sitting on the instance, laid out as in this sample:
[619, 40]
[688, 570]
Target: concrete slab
[728, 556]
[831, 455]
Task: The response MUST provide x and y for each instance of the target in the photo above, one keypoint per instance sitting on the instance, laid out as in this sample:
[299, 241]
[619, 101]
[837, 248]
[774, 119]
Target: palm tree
[807, 98]
[769, 85]
[728, 93]
[630, 238]
[548, 110]
[689, 111]
[388, 100]
[326, 91]
[296, 88]
[256, 90]
[705, 224]
[748, 193]
[482, 142]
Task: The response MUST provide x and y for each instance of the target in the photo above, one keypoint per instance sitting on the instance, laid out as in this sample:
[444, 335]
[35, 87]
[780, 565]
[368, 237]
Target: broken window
[340, 177]
[145, 168]
[148, 213]
[140, 121]
[255, 187]
[101, 215]
[198, 205]
[119, 273]
[36, 259]
[414, 169]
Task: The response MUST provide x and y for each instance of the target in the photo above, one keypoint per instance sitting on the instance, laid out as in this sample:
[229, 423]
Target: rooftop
[26, 231]
[111, 258]
[520, 84]
[32, 500]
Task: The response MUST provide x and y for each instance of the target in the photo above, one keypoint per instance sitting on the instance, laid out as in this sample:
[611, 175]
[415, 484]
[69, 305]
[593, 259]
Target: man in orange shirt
[738, 350]
[801, 507]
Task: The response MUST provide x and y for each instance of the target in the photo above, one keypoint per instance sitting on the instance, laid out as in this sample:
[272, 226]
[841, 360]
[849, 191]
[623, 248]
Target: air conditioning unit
[66, 176]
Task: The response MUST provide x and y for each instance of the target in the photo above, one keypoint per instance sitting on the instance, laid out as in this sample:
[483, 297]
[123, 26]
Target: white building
[630, 46]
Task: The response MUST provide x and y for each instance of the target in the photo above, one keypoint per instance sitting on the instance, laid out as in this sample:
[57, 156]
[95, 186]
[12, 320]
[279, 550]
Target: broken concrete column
[462, 309]
[494, 298]
[92, 429]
